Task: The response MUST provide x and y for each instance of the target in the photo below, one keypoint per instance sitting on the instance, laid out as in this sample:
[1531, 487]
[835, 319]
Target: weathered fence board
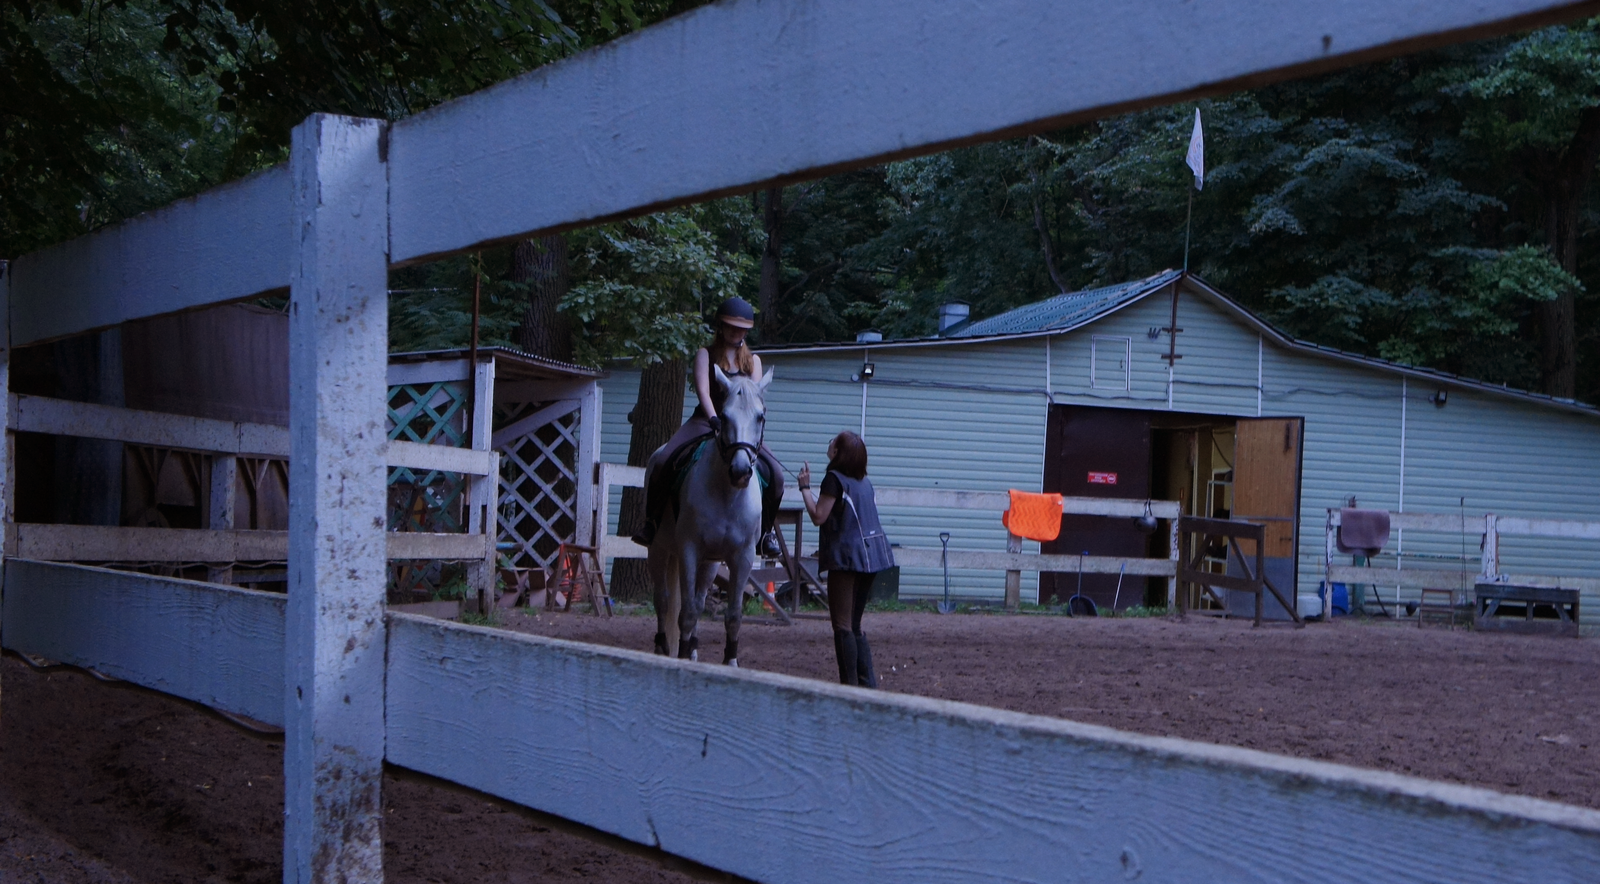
[737, 94]
[216, 645]
[913, 557]
[895, 788]
[1411, 578]
[38, 414]
[97, 543]
[228, 243]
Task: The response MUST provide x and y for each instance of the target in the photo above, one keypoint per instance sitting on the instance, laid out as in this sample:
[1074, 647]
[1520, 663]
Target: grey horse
[717, 519]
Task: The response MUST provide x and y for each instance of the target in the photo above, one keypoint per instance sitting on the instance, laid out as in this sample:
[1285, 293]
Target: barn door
[1266, 488]
[1096, 452]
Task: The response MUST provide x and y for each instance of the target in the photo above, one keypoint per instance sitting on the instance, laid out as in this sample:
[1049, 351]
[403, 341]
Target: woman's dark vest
[852, 536]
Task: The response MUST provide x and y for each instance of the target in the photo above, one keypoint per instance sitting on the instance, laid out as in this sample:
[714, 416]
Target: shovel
[945, 606]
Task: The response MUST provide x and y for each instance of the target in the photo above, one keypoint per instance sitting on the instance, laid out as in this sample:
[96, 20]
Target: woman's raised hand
[803, 478]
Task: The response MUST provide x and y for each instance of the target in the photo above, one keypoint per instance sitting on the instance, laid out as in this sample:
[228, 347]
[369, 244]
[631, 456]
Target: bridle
[729, 449]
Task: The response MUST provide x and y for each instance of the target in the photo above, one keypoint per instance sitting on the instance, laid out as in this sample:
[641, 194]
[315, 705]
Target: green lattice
[431, 414]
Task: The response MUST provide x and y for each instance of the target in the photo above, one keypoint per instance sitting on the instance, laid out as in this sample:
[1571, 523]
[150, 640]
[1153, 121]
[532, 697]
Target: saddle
[679, 462]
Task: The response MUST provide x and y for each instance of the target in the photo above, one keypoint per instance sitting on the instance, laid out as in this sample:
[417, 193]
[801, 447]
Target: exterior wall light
[867, 370]
[1439, 397]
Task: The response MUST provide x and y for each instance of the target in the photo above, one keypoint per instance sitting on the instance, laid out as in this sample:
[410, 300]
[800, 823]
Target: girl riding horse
[729, 352]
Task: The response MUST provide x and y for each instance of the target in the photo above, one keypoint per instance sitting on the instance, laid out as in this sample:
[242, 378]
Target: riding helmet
[737, 312]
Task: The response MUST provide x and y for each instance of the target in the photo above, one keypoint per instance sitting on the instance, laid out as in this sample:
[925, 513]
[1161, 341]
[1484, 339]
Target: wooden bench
[1493, 597]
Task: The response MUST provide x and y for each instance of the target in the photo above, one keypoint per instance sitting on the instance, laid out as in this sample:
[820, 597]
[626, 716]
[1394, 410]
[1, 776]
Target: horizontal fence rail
[1489, 528]
[96, 543]
[60, 417]
[899, 788]
[610, 475]
[217, 645]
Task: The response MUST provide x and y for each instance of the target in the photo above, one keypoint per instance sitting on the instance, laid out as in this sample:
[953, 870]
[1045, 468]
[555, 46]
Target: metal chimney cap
[952, 313]
[869, 336]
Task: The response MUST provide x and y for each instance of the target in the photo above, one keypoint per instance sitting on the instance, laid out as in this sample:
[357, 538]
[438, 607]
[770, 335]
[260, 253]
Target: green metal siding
[975, 421]
[972, 416]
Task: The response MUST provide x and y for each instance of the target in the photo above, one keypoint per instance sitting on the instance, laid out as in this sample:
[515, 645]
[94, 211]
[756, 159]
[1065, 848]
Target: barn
[1166, 388]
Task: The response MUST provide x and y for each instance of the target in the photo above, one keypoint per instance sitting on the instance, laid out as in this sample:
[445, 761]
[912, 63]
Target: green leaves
[642, 287]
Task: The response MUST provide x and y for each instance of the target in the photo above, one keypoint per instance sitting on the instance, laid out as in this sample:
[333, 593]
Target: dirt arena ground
[101, 783]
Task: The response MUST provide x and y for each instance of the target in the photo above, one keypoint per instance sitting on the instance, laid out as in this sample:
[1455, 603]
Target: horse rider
[728, 351]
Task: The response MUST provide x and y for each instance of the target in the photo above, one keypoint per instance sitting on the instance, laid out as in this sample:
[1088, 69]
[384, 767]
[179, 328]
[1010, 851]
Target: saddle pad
[1363, 531]
[686, 457]
[1033, 516]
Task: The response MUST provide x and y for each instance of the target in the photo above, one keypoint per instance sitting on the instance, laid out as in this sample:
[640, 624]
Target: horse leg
[738, 576]
[664, 580]
[690, 600]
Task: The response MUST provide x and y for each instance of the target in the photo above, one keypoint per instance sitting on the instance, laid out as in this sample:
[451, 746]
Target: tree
[641, 291]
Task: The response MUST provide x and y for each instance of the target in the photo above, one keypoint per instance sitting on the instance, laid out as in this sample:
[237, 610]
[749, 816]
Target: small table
[1493, 597]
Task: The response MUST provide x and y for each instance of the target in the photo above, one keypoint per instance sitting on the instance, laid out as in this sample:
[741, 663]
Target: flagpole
[1189, 223]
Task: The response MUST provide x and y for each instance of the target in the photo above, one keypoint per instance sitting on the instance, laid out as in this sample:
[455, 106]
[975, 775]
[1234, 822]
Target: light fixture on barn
[1439, 397]
[866, 372]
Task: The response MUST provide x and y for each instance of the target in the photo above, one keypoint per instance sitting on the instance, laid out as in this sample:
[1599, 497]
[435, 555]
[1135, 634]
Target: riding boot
[771, 493]
[844, 645]
[864, 672]
[656, 491]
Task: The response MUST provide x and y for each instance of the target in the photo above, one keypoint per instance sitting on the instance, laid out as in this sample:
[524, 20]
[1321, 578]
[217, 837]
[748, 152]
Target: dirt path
[102, 784]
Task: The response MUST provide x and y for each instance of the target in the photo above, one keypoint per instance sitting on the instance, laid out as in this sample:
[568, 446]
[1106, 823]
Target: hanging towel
[1033, 516]
[1364, 532]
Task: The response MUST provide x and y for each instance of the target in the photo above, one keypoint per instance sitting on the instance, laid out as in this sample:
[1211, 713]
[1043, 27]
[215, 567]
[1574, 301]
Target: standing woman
[853, 549]
[729, 352]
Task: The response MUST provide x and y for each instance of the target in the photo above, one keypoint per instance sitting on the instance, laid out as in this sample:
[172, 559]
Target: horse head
[743, 408]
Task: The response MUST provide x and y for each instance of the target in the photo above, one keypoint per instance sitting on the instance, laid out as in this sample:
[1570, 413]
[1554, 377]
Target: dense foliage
[1437, 209]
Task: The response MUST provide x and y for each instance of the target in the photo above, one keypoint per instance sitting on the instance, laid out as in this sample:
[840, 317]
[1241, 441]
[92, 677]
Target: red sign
[1102, 478]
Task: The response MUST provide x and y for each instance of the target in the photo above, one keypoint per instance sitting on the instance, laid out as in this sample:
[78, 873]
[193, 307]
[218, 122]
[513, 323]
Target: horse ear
[766, 379]
[720, 377]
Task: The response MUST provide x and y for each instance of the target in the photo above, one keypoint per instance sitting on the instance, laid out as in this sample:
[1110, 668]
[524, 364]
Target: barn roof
[1066, 311]
[1074, 310]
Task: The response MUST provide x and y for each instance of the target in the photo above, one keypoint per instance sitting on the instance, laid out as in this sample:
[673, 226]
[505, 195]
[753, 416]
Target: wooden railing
[222, 439]
[1490, 528]
[1012, 560]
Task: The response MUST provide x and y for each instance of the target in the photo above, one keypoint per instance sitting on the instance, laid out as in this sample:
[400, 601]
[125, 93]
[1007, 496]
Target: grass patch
[473, 618]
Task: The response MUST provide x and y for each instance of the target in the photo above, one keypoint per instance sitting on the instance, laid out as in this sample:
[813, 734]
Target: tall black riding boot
[844, 645]
[864, 671]
[656, 492]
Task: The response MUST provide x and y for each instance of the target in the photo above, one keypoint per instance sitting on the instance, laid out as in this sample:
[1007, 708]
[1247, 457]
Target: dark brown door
[1266, 489]
[1096, 452]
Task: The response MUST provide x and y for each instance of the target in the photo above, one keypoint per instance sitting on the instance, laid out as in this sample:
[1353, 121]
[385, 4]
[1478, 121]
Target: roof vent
[952, 314]
[870, 336]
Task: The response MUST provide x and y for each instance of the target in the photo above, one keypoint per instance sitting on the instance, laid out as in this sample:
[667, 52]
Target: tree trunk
[656, 415]
[771, 264]
[1558, 338]
[542, 264]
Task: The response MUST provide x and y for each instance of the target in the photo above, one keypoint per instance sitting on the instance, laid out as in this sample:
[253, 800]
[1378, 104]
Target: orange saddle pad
[1033, 516]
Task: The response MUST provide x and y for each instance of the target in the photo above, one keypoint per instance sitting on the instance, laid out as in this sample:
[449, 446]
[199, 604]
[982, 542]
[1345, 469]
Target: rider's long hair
[739, 359]
[849, 455]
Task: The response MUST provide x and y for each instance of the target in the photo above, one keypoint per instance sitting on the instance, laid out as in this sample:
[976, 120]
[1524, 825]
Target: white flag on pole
[1197, 153]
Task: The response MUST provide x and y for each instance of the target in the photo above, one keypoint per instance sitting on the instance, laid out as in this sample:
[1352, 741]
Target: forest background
[1438, 209]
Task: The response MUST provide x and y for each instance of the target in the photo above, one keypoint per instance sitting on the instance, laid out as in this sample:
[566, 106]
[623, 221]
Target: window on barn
[1110, 362]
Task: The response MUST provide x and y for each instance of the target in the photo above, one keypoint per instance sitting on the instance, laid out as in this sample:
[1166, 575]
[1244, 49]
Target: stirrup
[768, 547]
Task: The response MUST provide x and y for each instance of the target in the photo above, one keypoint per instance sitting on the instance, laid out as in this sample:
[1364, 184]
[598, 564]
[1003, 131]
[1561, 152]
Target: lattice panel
[539, 491]
[432, 414]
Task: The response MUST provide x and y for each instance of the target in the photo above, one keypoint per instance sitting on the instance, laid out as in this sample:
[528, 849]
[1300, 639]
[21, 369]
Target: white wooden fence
[1013, 560]
[1486, 532]
[731, 97]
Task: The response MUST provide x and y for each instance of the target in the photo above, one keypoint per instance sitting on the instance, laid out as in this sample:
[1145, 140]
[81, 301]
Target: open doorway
[1214, 466]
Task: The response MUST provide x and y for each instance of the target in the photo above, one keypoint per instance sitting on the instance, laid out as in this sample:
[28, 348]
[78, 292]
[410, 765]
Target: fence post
[483, 491]
[589, 418]
[1013, 578]
[224, 479]
[1491, 548]
[334, 639]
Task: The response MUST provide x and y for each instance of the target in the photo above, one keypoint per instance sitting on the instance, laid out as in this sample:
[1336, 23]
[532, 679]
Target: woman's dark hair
[849, 455]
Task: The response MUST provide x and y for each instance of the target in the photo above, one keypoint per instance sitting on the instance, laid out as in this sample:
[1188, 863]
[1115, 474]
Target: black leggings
[847, 598]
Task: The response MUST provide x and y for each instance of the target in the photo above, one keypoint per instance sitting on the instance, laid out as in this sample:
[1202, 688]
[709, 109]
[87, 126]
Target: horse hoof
[661, 643]
[694, 656]
[734, 662]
